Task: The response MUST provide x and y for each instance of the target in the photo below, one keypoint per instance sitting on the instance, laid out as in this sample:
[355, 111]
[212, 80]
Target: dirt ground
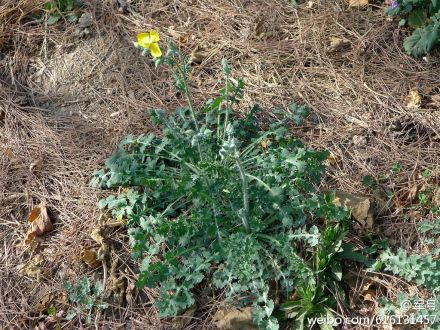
[69, 95]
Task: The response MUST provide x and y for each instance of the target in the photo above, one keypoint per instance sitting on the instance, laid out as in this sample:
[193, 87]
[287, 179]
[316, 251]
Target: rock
[361, 207]
[86, 20]
[337, 44]
[359, 140]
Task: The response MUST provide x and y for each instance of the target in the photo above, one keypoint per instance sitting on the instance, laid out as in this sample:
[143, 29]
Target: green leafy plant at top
[57, 9]
[424, 17]
[215, 198]
[85, 297]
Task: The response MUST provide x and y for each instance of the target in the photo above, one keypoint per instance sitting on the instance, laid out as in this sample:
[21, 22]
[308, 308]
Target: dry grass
[66, 101]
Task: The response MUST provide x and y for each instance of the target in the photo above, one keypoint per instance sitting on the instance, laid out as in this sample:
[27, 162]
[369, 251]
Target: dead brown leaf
[181, 321]
[357, 3]
[332, 159]
[231, 318]
[413, 100]
[97, 234]
[34, 268]
[130, 293]
[9, 153]
[412, 192]
[265, 143]
[259, 29]
[337, 44]
[369, 295]
[90, 257]
[118, 286]
[40, 223]
[182, 37]
[197, 55]
[435, 100]
[36, 165]
[44, 301]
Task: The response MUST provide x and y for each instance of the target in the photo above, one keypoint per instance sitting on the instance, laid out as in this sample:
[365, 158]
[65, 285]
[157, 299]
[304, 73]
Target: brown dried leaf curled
[39, 222]
[413, 100]
[337, 44]
[233, 318]
[197, 55]
[182, 321]
[90, 257]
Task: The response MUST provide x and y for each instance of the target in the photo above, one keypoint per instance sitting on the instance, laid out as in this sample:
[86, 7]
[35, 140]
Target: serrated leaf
[71, 18]
[71, 315]
[300, 112]
[54, 18]
[422, 40]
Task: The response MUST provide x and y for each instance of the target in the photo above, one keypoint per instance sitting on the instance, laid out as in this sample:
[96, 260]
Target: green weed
[57, 9]
[217, 198]
[423, 16]
[85, 297]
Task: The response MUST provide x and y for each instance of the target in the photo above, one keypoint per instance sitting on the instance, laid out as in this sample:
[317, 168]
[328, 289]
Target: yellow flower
[149, 41]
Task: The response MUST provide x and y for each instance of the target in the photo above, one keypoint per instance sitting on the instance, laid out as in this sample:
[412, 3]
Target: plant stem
[218, 120]
[216, 224]
[187, 94]
[227, 105]
[244, 184]
[184, 79]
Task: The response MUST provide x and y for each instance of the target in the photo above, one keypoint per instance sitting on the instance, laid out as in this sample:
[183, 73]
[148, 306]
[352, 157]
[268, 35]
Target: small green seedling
[396, 168]
[368, 181]
[57, 9]
[423, 199]
[426, 174]
[85, 297]
[51, 311]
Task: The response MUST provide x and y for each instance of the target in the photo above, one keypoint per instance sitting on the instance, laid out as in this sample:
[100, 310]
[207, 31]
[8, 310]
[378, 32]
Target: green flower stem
[218, 120]
[264, 184]
[187, 93]
[191, 166]
[184, 80]
[216, 224]
[227, 105]
[244, 183]
[269, 238]
[250, 147]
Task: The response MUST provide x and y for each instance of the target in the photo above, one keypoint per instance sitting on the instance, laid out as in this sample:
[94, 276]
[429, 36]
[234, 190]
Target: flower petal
[154, 36]
[155, 50]
[144, 39]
